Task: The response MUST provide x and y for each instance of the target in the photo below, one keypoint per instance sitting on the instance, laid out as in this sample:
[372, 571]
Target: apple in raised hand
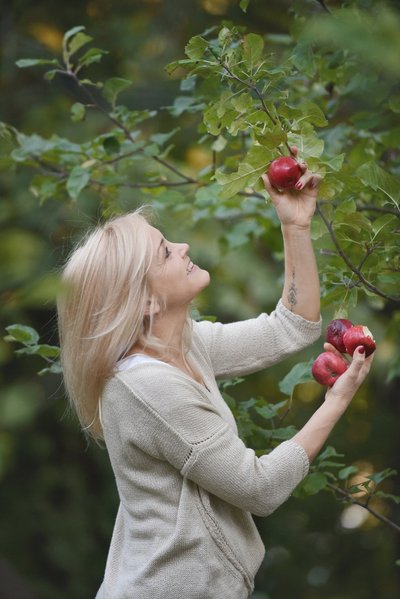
[335, 331]
[359, 335]
[328, 367]
[284, 172]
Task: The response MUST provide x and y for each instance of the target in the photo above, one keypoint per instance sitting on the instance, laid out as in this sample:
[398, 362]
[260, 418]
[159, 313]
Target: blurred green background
[58, 499]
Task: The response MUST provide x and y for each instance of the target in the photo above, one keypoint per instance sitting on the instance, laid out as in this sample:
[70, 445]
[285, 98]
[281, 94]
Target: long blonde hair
[101, 310]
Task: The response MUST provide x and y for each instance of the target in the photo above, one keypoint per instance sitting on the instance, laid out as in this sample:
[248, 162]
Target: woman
[142, 376]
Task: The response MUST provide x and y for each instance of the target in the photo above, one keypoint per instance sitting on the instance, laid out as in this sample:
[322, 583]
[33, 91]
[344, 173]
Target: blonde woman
[142, 376]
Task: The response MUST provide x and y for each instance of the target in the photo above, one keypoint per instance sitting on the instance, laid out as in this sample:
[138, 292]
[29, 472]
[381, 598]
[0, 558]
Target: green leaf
[378, 477]
[335, 163]
[313, 113]
[91, 56]
[113, 87]
[77, 112]
[44, 350]
[253, 46]
[281, 434]
[111, 145]
[235, 182]
[24, 63]
[372, 175]
[77, 42]
[244, 5]
[49, 75]
[55, 368]
[303, 58]
[71, 32]
[314, 482]
[308, 144]
[241, 232]
[78, 179]
[300, 373]
[22, 333]
[196, 47]
[329, 452]
[272, 138]
[161, 138]
[394, 498]
[269, 411]
[346, 472]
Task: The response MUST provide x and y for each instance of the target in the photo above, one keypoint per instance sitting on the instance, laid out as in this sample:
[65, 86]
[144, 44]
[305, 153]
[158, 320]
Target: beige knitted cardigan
[188, 486]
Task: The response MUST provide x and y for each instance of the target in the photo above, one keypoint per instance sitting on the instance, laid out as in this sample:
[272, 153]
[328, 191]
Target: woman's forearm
[316, 431]
[301, 292]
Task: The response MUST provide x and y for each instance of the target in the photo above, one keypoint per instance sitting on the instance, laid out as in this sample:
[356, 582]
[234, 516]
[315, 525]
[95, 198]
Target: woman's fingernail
[299, 185]
[361, 350]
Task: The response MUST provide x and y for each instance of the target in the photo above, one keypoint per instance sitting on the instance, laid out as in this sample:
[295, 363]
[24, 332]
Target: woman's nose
[183, 248]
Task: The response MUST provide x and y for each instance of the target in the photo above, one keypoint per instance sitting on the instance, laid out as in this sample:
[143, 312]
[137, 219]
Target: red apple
[284, 172]
[328, 367]
[359, 335]
[335, 331]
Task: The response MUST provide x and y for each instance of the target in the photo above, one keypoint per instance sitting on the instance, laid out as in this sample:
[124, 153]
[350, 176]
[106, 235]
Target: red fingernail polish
[299, 185]
[361, 350]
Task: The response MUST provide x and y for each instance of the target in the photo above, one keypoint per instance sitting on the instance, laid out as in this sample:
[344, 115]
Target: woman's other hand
[346, 386]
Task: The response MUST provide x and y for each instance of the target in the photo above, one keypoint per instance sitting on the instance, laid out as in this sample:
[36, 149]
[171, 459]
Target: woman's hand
[295, 207]
[346, 386]
[316, 431]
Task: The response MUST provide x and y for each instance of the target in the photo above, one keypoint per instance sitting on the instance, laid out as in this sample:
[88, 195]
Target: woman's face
[173, 275]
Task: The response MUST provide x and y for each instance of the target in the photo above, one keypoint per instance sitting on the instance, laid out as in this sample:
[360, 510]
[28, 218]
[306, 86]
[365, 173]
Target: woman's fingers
[309, 179]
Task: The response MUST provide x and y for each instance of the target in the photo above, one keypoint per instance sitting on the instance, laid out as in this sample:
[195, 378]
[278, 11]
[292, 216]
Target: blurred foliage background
[58, 499]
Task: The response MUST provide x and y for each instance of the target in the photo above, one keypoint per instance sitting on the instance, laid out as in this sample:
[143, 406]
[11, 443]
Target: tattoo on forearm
[292, 293]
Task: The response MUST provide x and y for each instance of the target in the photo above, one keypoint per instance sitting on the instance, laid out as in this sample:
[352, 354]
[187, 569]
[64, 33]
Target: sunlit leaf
[113, 87]
[24, 63]
[77, 112]
[196, 47]
[300, 373]
[78, 179]
[22, 333]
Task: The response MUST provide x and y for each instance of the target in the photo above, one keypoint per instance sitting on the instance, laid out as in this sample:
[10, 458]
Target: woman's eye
[167, 252]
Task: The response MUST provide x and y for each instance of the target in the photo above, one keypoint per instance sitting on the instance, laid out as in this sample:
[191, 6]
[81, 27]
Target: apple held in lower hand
[284, 172]
[328, 367]
[359, 335]
[335, 332]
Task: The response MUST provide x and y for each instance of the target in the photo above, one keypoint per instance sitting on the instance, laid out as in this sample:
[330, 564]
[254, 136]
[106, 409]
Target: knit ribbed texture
[187, 483]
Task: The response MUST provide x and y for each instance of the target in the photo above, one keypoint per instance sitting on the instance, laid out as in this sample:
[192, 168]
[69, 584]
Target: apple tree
[246, 98]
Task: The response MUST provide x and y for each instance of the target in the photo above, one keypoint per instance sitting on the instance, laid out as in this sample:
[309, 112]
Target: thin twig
[379, 209]
[153, 184]
[366, 506]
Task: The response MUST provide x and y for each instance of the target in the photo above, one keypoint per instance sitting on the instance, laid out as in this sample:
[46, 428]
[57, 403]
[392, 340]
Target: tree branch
[96, 104]
[379, 209]
[151, 185]
[350, 265]
[324, 6]
[252, 87]
[366, 506]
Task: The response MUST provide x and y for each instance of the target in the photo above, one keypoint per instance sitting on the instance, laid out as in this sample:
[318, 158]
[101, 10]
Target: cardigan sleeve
[168, 416]
[240, 348]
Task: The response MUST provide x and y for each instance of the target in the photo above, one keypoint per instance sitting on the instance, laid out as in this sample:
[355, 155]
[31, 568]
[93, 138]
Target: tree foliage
[246, 98]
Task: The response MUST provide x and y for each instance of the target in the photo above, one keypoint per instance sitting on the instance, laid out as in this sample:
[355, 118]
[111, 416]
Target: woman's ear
[152, 307]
